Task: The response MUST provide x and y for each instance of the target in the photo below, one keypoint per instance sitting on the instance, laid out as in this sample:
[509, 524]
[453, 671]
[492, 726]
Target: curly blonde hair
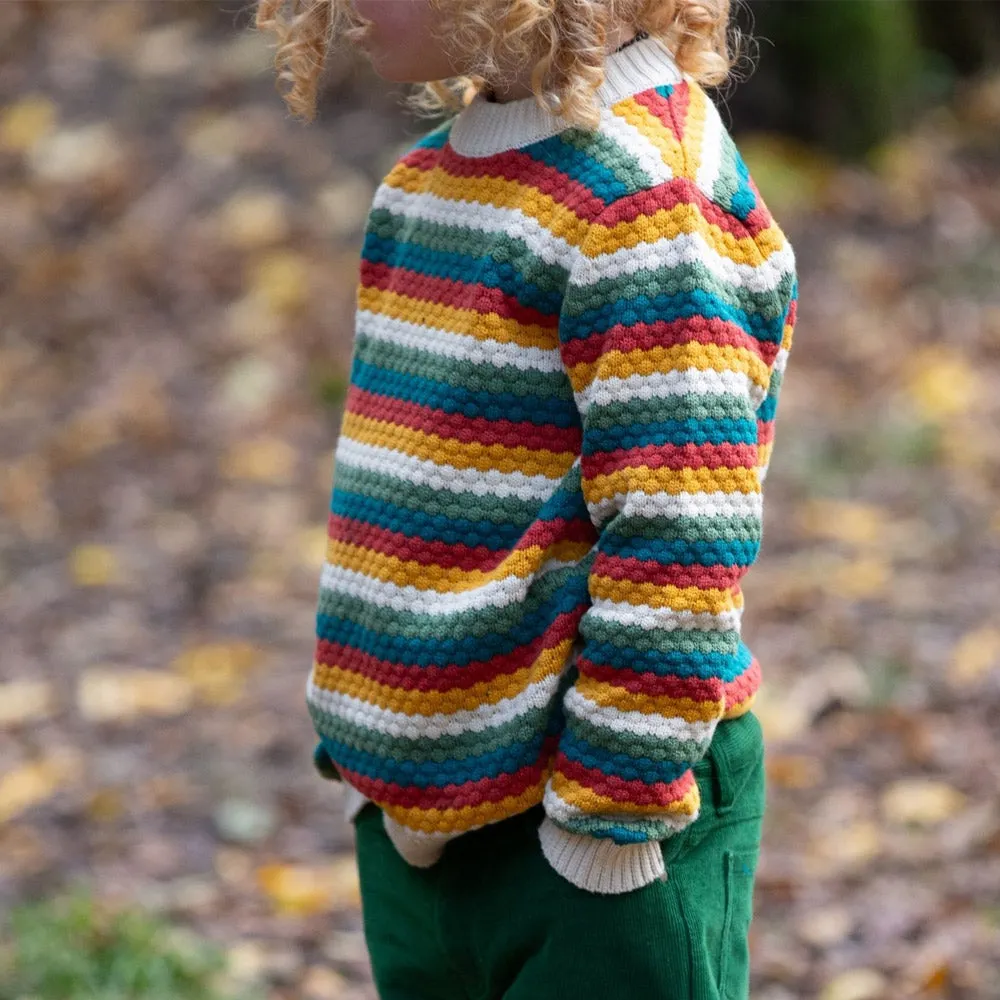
[564, 41]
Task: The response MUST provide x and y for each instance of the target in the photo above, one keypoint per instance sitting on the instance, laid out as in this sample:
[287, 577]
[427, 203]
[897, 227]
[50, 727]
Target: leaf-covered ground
[177, 266]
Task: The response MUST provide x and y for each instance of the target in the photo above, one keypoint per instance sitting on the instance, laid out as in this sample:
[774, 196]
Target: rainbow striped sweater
[568, 354]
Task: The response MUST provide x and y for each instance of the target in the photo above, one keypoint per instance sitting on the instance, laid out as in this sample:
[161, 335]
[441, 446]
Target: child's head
[456, 48]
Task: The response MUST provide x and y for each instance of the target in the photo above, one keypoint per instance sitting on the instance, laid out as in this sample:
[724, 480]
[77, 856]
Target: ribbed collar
[484, 128]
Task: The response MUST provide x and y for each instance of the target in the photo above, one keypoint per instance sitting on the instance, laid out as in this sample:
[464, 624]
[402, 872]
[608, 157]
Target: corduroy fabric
[548, 482]
[493, 921]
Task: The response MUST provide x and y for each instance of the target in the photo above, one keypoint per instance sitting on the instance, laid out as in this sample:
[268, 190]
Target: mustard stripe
[588, 801]
[500, 192]
[609, 696]
[662, 360]
[522, 565]
[468, 322]
[694, 128]
[658, 134]
[424, 703]
[709, 600]
[451, 451]
[456, 820]
[640, 479]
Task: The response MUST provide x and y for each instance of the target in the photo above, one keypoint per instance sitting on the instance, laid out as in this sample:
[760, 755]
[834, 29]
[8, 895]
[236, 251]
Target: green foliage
[73, 948]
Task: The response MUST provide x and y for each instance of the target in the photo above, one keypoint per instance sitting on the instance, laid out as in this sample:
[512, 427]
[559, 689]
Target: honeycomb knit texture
[568, 354]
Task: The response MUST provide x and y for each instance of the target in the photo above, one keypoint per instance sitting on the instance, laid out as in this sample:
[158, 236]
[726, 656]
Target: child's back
[568, 355]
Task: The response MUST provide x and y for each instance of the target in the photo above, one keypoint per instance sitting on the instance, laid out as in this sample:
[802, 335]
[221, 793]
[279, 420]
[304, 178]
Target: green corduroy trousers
[491, 920]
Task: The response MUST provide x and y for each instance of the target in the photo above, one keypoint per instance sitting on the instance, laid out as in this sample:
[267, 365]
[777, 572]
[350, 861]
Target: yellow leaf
[975, 655]
[26, 121]
[305, 889]
[263, 459]
[856, 984]
[795, 770]
[105, 694]
[941, 383]
[843, 521]
[25, 701]
[859, 579]
[252, 219]
[920, 800]
[281, 279]
[311, 544]
[217, 670]
[94, 566]
[30, 784]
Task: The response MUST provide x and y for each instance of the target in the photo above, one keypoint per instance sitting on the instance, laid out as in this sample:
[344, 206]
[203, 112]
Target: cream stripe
[663, 619]
[662, 727]
[415, 726]
[461, 347]
[493, 594]
[478, 217]
[710, 164]
[424, 472]
[647, 155]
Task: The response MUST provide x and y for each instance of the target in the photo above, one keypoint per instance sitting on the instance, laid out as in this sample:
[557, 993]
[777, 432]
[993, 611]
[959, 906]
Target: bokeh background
[177, 267]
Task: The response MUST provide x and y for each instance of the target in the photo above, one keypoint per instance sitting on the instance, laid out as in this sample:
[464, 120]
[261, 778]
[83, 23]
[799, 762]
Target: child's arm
[674, 329]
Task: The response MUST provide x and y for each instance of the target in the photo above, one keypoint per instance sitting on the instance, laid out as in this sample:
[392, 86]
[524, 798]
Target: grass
[73, 948]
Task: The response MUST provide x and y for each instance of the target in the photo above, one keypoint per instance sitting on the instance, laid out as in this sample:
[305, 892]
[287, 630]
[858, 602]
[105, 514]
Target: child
[573, 316]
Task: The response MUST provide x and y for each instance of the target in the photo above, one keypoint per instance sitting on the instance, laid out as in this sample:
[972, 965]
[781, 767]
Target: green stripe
[663, 640]
[476, 623]
[688, 407]
[425, 749]
[470, 375]
[656, 748]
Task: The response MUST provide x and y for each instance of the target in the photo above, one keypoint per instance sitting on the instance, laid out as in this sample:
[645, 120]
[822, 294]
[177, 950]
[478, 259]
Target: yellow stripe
[677, 357]
[764, 453]
[663, 138]
[500, 192]
[787, 334]
[423, 703]
[468, 818]
[741, 708]
[694, 128]
[673, 481]
[709, 600]
[451, 451]
[468, 322]
[522, 565]
[610, 696]
[588, 801]
[668, 224]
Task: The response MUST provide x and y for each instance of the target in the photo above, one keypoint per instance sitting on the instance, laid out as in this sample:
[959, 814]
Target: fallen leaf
[262, 459]
[281, 279]
[76, 155]
[254, 218]
[217, 671]
[29, 784]
[858, 524]
[107, 694]
[25, 122]
[941, 382]
[25, 701]
[94, 566]
[921, 801]
[306, 890]
[976, 654]
[856, 984]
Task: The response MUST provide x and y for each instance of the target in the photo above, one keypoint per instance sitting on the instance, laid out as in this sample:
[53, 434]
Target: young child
[573, 316]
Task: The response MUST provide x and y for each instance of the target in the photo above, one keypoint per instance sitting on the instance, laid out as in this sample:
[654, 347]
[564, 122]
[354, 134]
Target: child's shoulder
[674, 135]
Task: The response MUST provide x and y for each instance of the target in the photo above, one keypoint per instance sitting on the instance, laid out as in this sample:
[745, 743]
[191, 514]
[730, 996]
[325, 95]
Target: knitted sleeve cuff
[598, 864]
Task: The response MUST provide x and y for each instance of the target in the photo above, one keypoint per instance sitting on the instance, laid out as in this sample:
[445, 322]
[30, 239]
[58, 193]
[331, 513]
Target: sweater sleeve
[671, 327]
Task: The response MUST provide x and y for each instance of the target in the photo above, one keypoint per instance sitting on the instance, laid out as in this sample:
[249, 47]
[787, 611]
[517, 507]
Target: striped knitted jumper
[568, 352]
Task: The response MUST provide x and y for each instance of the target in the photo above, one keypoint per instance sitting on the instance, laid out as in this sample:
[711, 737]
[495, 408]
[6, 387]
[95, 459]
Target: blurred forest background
[177, 273]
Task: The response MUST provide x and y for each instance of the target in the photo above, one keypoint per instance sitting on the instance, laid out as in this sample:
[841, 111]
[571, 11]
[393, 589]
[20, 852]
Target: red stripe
[516, 165]
[683, 191]
[671, 111]
[636, 571]
[765, 431]
[665, 333]
[740, 688]
[658, 793]
[454, 554]
[448, 292]
[698, 689]
[458, 426]
[671, 456]
[471, 793]
[409, 677]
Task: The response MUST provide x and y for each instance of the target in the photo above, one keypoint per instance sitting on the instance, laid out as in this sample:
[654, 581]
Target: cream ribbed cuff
[598, 864]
